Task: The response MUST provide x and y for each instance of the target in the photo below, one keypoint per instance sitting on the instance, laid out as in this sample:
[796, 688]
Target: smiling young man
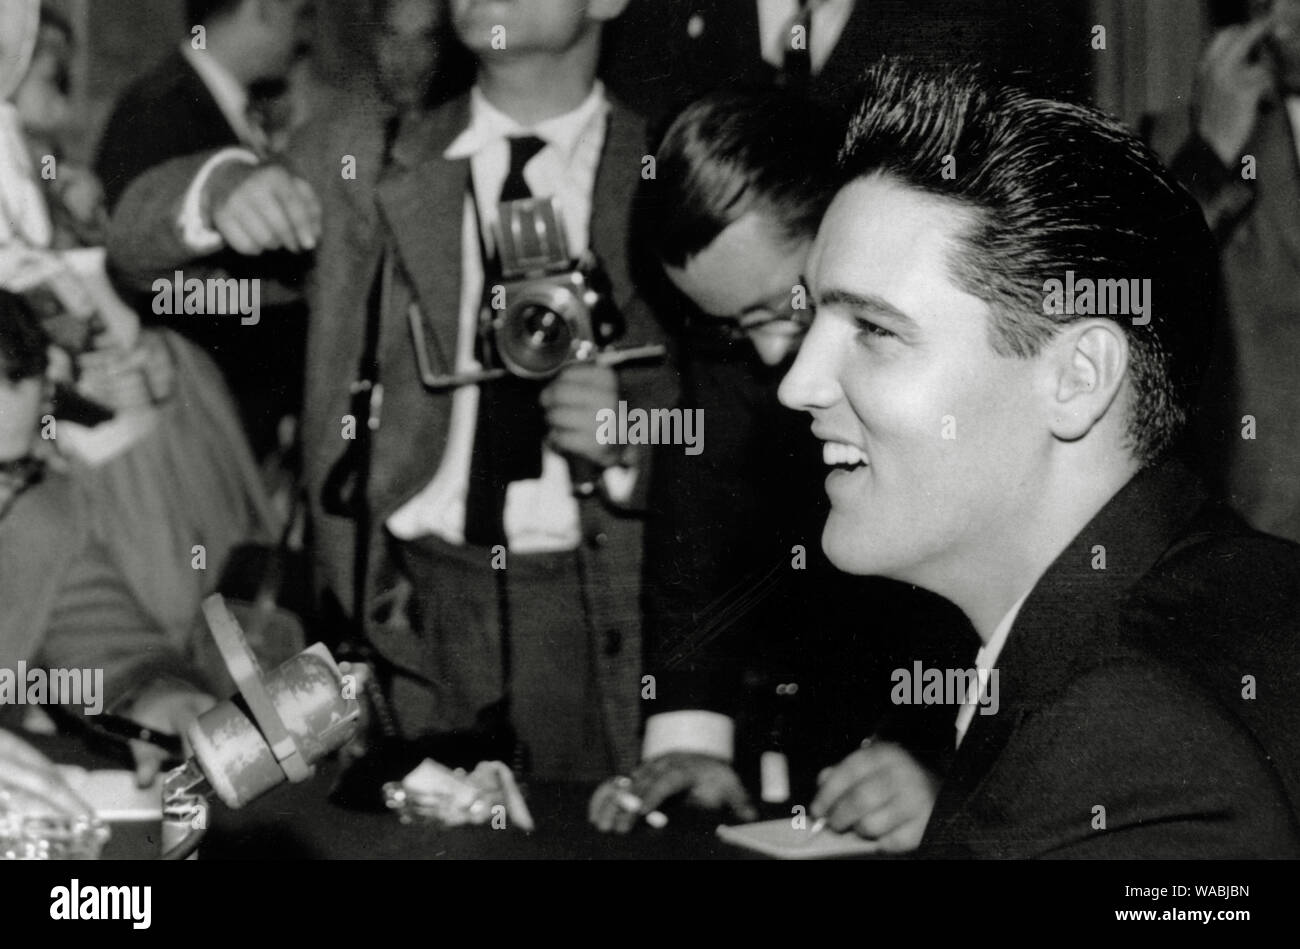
[1023, 463]
[737, 622]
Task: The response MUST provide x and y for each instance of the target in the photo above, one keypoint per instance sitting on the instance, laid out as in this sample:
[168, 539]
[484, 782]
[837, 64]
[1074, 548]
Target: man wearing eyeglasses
[747, 625]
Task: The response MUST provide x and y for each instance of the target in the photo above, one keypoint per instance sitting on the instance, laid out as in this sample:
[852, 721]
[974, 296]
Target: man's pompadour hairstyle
[1050, 187]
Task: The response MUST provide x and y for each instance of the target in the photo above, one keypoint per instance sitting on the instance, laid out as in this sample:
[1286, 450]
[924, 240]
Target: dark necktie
[797, 67]
[511, 424]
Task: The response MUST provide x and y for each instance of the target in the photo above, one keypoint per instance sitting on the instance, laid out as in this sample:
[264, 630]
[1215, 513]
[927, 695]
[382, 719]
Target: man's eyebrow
[863, 303]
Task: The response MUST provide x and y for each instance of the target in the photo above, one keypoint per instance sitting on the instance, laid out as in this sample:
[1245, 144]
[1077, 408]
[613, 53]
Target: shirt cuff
[692, 730]
[620, 483]
[196, 232]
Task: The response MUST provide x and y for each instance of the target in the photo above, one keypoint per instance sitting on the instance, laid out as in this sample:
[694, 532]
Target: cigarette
[628, 801]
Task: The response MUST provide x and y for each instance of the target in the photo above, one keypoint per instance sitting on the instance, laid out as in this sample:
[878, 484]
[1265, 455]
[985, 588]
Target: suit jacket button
[613, 642]
[599, 540]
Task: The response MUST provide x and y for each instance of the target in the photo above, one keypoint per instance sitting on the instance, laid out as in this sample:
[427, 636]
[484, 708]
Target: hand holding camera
[571, 402]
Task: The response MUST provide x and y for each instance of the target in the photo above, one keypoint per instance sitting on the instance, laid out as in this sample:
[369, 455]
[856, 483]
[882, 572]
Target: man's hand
[880, 792]
[571, 402]
[168, 707]
[263, 208]
[1231, 79]
[82, 194]
[710, 783]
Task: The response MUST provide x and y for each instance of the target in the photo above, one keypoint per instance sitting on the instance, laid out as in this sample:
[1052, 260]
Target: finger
[271, 214]
[572, 420]
[664, 786]
[738, 801]
[296, 215]
[311, 212]
[881, 820]
[246, 212]
[865, 801]
[596, 806]
[842, 778]
[902, 839]
[601, 809]
[237, 236]
[1242, 44]
[148, 762]
[578, 394]
[1219, 42]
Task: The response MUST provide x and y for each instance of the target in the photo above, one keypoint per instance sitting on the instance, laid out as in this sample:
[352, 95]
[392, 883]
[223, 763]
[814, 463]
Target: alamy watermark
[1085, 296]
[215, 296]
[653, 427]
[929, 686]
[38, 686]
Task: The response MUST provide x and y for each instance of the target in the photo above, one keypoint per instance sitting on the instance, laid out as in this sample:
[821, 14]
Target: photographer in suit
[499, 539]
[1018, 452]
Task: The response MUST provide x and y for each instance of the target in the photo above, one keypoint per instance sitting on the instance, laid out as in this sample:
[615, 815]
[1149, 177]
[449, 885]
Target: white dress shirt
[540, 514]
[985, 660]
[777, 17]
[1293, 113]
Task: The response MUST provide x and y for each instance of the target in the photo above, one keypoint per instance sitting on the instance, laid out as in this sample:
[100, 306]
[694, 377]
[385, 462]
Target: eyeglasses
[739, 328]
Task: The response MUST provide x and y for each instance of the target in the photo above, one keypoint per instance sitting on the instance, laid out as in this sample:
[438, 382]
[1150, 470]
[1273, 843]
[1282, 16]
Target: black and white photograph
[557, 432]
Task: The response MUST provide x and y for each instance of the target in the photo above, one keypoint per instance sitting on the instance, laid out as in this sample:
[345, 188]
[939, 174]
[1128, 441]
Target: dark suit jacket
[1257, 223]
[166, 113]
[417, 207]
[654, 62]
[1122, 688]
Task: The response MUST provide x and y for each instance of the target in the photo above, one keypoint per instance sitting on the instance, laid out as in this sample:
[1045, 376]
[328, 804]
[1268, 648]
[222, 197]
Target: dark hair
[738, 151]
[1052, 187]
[23, 343]
[208, 11]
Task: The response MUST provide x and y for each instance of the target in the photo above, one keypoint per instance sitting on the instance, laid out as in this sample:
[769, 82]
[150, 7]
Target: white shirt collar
[229, 92]
[987, 658]
[488, 124]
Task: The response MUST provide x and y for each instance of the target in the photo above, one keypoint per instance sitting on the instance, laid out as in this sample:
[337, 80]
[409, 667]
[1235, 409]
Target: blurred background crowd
[112, 89]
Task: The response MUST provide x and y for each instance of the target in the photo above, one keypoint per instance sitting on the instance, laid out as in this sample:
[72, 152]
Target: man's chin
[845, 550]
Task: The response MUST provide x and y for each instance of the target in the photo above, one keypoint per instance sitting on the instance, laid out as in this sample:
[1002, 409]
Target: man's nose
[812, 382]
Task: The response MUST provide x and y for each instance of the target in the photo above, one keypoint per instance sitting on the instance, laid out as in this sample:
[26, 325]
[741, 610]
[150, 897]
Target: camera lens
[535, 339]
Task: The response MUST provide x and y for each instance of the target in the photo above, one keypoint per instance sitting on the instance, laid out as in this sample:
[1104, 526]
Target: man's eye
[872, 330]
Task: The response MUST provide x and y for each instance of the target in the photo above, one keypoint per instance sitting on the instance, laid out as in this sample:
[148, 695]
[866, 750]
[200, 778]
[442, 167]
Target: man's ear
[1088, 362]
[605, 10]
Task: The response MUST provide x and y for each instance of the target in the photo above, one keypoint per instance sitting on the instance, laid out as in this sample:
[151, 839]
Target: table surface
[298, 822]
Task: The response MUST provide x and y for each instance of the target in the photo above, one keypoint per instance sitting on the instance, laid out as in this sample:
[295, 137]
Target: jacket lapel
[422, 201]
[613, 196]
[1070, 615]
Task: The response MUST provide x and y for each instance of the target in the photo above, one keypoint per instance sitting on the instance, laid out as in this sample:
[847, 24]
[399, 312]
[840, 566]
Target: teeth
[838, 453]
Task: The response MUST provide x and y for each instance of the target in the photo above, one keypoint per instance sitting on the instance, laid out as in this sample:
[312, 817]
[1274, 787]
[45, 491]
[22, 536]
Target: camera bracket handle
[441, 382]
